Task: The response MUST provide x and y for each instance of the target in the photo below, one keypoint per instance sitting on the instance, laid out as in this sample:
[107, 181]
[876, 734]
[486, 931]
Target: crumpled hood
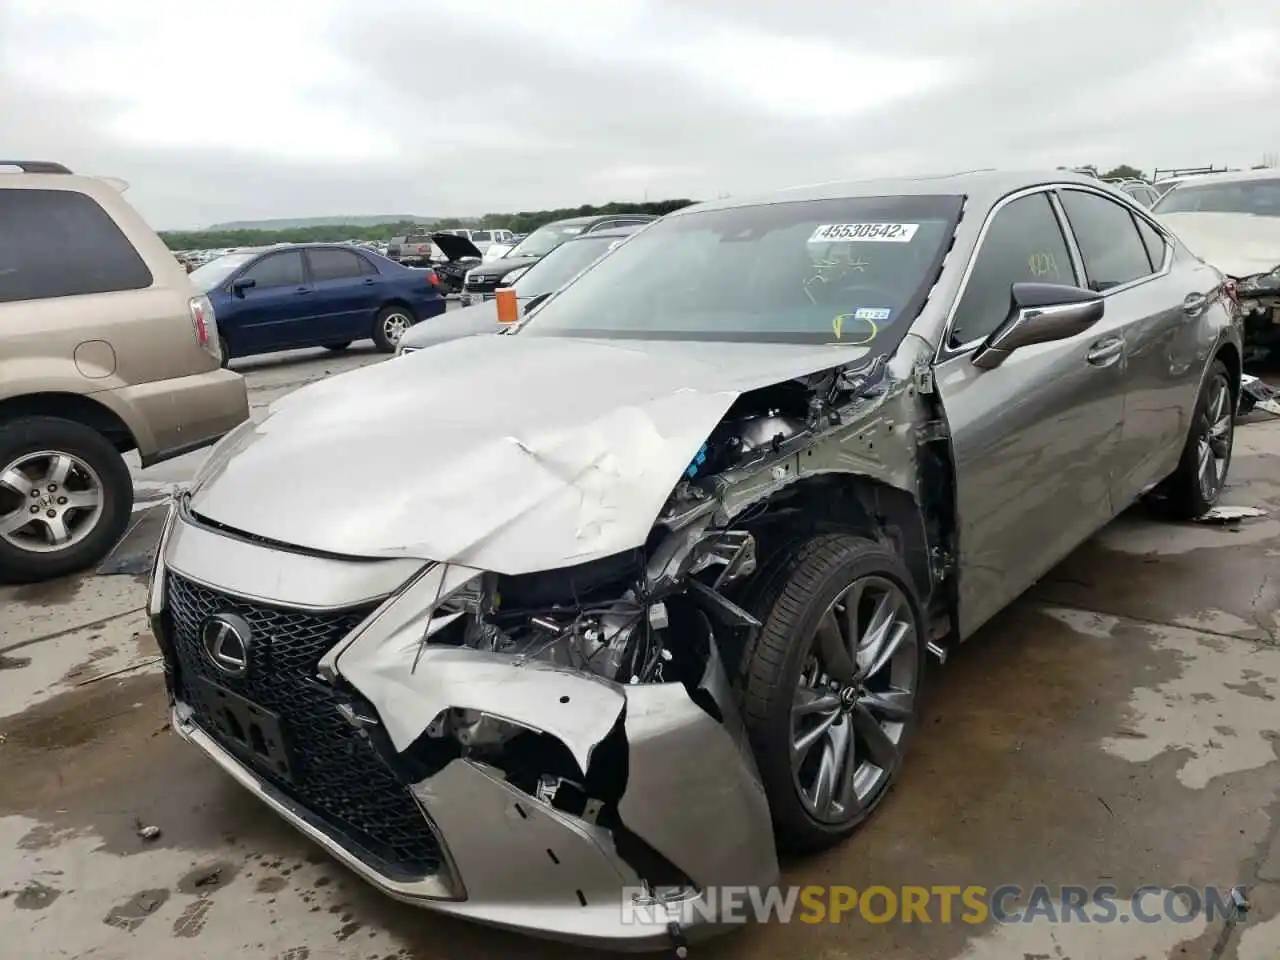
[512, 454]
[1238, 244]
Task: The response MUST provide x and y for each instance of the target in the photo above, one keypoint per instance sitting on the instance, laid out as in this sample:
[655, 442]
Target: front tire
[65, 498]
[831, 684]
[390, 326]
[1193, 489]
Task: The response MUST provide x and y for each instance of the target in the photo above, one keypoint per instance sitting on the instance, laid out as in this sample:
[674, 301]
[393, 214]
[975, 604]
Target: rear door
[1032, 438]
[1156, 303]
[272, 314]
[347, 291]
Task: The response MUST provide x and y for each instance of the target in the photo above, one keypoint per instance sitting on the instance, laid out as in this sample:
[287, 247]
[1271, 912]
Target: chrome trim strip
[277, 577]
[944, 352]
[439, 887]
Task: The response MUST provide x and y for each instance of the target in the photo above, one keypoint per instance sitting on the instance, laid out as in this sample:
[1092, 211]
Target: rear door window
[277, 270]
[334, 264]
[1109, 242]
[57, 243]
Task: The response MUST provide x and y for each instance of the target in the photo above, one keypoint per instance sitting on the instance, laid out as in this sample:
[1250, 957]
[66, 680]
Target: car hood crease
[512, 454]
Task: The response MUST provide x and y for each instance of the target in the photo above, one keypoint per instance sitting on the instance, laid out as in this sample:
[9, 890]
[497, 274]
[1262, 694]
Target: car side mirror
[238, 287]
[1040, 313]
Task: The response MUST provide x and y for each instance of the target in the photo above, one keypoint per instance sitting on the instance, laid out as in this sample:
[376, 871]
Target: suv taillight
[205, 325]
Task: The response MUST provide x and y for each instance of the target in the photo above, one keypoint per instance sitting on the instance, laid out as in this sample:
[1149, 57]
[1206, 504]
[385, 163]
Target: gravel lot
[1117, 725]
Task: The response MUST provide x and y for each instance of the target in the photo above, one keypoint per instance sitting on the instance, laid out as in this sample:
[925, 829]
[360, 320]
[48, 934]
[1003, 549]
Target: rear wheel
[390, 326]
[1202, 473]
[831, 684]
[224, 348]
[65, 498]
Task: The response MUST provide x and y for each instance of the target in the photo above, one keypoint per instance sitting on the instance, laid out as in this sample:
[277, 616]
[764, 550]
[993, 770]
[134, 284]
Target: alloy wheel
[1213, 450]
[394, 326]
[49, 501]
[855, 698]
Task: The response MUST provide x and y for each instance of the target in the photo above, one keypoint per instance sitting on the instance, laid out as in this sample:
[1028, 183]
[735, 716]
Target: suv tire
[33, 444]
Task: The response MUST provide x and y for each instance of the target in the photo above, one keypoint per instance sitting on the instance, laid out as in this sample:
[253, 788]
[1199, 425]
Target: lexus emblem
[225, 638]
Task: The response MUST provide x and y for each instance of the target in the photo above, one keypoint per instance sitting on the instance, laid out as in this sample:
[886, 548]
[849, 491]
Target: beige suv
[105, 347]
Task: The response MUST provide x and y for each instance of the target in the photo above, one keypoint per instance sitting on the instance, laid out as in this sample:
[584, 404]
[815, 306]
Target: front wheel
[831, 684]
[65, 498]
[1195, 486]
[390, 326]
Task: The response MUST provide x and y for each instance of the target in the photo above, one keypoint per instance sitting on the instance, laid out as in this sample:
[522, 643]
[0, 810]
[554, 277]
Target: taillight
[204, 324]
[433, 278]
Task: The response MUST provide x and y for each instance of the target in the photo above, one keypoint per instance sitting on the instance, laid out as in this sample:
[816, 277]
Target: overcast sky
[252, 109]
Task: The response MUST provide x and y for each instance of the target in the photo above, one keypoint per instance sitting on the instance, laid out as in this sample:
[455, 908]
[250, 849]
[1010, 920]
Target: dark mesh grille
[338, 777]
[482, 284]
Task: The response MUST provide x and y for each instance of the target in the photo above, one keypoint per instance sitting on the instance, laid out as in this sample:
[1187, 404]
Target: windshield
[481, 236]
[818, 271]
[563, 264]
[545, 239]
[1258, 197]
[216, 272]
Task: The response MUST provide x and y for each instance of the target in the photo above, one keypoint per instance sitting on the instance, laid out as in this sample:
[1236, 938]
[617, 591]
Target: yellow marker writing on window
[862, 336]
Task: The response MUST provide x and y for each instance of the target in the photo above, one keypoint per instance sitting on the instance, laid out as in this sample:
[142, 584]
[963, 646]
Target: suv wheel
[65, 498]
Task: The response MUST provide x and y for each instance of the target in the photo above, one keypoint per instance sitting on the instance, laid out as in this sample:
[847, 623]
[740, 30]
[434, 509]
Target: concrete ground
[1115, 726]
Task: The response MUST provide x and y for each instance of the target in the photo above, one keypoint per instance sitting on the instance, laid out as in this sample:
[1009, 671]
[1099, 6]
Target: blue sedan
[314, 295]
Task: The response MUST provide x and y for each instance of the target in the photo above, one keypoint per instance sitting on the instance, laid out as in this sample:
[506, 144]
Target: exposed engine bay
[672, 611]
[542, 710]
[1258, 306]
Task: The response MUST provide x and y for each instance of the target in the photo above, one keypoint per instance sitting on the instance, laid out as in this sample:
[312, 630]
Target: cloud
[244, 110]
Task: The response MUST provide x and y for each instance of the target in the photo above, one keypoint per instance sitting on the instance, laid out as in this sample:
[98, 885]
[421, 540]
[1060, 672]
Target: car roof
[1234, 176]
[980, 186]
[598, 217]
[605, 234]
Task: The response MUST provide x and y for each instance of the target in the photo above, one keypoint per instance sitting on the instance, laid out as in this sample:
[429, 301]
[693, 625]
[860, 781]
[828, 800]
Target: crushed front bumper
[692, 799]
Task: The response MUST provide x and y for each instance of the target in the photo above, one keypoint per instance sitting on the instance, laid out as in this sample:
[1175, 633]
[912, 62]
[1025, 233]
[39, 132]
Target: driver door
[1033, 439]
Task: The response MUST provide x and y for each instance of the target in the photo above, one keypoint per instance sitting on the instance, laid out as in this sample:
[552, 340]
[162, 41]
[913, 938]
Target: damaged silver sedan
[630, 597]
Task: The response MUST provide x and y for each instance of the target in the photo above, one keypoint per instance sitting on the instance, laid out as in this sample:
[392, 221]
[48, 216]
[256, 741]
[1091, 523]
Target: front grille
[479, 284]
[338, 777]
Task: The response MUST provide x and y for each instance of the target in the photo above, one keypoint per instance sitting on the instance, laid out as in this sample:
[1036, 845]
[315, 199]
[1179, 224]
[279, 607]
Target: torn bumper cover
[501, 788]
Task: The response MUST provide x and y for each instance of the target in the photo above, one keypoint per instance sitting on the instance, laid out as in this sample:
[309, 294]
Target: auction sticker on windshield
[865, 233]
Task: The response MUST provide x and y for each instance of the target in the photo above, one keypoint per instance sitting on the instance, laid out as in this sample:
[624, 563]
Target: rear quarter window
[57, 243]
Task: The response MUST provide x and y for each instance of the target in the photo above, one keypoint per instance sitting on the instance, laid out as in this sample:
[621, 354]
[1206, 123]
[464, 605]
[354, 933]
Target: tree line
[525, 221]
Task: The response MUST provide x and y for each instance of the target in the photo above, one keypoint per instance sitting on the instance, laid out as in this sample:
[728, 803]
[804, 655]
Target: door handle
[1106, 351]
[301, 290]
[368, 281]
[1194, 303]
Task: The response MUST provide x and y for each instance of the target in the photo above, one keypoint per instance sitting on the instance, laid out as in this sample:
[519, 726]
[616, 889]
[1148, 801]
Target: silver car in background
[532, 287]
[663, 602]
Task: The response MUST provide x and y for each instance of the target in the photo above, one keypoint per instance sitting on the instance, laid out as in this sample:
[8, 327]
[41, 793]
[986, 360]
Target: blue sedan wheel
[390, 326]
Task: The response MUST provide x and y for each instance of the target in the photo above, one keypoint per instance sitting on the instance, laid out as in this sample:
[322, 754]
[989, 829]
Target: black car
[460, 254]
[481, 281]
